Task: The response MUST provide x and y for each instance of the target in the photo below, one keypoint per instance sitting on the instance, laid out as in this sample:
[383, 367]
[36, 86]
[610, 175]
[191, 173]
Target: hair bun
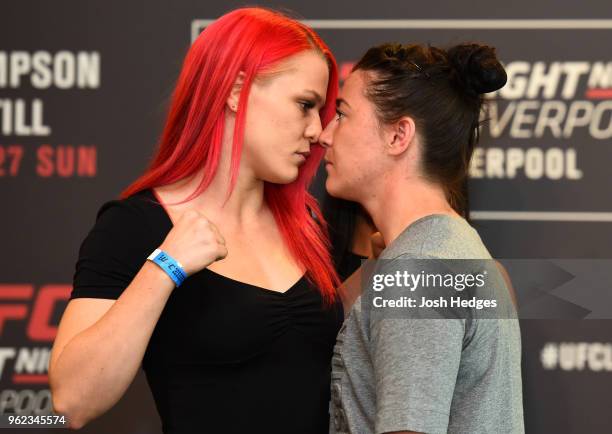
[477, 67]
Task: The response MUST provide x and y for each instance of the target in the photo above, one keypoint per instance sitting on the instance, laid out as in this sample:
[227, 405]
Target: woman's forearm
[94, 369]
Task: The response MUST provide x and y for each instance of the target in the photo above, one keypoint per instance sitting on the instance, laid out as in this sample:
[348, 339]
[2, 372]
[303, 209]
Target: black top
[225, 356]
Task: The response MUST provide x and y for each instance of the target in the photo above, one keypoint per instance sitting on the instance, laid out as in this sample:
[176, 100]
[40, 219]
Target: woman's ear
[234, 96]
[401, 135]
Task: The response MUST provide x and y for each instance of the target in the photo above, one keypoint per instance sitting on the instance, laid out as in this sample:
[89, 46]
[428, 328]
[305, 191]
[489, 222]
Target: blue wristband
[172, 268]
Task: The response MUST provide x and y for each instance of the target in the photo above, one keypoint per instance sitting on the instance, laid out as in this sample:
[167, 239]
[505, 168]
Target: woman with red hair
[245, 343]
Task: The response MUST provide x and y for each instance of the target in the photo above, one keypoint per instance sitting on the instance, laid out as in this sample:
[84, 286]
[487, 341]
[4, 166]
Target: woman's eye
[306, 105]
[339, 115]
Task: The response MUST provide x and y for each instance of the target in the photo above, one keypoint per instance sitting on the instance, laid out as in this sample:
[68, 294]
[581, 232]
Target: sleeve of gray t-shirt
[415, 361]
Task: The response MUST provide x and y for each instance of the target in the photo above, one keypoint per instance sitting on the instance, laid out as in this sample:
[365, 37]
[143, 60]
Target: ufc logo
[15, 302]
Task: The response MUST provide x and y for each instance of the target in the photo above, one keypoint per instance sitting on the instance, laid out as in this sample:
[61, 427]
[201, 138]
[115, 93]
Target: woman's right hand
[195, 242]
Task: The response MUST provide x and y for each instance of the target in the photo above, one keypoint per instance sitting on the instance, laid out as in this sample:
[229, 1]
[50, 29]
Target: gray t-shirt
[428, 375]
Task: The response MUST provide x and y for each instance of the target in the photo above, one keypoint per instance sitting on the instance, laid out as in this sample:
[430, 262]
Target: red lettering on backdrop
[87, 160]
[12, 156]
[44, 168]
[39, 328]
[67, 161]
[14, 311]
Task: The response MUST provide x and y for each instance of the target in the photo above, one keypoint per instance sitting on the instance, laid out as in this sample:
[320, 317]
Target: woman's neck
[242, 205]
[402, 203]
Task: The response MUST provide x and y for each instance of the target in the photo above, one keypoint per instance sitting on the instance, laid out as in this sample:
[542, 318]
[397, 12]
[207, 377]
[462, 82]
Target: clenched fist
[195, 242]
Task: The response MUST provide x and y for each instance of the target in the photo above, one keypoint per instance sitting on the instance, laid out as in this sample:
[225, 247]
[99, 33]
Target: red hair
[251, 40]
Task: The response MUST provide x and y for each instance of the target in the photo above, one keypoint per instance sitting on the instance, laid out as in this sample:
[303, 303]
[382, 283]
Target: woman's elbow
[62, 405]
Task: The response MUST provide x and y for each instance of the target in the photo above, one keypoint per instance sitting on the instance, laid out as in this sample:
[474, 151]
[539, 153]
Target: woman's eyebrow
[342, 101]
[319, 99]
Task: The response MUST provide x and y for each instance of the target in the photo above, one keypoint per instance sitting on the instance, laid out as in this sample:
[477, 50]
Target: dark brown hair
[442, 90]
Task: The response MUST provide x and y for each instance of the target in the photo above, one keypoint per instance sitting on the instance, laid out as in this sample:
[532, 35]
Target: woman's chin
[333, 188]
[286, 177]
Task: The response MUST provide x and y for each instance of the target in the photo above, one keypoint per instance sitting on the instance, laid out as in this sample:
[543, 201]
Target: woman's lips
[302, 156]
